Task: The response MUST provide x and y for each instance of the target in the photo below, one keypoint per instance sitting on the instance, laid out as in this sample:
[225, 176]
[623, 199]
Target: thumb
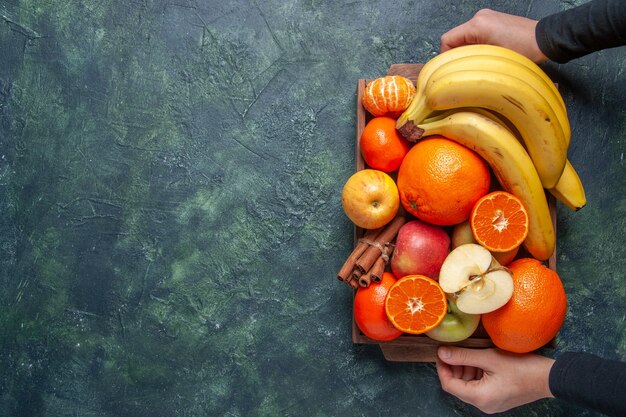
[479, 358]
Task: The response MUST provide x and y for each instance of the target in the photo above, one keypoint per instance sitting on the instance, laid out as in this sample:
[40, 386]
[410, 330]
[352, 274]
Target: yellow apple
[370, 198]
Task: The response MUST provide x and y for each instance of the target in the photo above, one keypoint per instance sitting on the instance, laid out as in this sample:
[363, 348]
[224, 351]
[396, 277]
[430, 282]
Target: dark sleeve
[590, 381]
[599, 24]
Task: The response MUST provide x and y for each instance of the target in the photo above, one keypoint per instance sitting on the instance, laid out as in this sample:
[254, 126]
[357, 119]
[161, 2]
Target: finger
[479, 358]
[457, 371]
[469, 373]
[443, 369]
[458, 36]
[464, 390]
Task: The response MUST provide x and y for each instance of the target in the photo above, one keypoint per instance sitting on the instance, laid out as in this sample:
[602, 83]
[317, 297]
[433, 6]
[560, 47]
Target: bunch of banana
[503, 81]
[503, 106]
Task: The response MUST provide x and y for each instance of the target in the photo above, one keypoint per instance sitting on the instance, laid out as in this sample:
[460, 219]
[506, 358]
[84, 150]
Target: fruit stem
[477, 277]
[411, 132]
[499, 268]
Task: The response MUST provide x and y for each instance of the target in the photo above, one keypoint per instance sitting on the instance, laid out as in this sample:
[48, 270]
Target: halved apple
[480, 284]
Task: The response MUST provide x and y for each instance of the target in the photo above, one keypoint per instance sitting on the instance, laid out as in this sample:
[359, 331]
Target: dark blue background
[170, 215]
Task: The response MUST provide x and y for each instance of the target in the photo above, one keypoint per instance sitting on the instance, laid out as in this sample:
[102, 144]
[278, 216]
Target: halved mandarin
[416, 304]
[499, 221]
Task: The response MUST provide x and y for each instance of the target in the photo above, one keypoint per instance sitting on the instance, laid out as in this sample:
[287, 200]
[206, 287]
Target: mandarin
[499, 221]
[369, 310]
[535, 312]
[416, 304]
[381, 144]
[440, 180]
[388, 96]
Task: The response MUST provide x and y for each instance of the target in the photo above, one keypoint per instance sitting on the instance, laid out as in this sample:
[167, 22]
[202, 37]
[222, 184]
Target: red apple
[420, 249]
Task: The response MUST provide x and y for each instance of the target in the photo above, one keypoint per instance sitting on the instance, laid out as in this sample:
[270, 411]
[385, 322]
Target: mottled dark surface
[170, 216]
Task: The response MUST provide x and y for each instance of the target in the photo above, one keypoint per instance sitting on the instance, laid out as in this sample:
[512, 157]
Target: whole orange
[382, 146]
[535, 312]
[440, 180]
[369, 310]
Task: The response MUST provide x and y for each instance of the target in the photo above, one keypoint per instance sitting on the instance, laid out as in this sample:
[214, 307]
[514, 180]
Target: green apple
[456, 325]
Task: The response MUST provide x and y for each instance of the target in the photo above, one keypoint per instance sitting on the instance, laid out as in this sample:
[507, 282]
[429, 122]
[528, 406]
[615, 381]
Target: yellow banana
[514, 99]
[507, 66]
[510, 163]
[569, 190]
[463, 51]
[487, 113]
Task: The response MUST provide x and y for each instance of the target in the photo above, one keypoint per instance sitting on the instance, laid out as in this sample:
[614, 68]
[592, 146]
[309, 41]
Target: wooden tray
[418, 348]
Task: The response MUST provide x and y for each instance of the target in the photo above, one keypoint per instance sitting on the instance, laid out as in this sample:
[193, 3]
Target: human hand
[496, 28]
[491, 379]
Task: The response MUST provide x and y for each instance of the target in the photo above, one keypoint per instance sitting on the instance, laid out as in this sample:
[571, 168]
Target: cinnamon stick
[353, 282]
[389, 232]
[365, 279]
[378, 269]
[345, 272]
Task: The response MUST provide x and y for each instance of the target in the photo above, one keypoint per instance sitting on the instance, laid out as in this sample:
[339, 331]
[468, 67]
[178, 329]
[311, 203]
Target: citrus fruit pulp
[499, 221]
[388, 96]
[416, 304]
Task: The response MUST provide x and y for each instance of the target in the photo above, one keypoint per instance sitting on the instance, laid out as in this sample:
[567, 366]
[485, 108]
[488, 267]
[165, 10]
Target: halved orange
[499, 221]
[416, 304]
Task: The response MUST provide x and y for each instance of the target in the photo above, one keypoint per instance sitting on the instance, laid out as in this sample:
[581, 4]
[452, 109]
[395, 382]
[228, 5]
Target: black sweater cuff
[590, 27]
[590, 381]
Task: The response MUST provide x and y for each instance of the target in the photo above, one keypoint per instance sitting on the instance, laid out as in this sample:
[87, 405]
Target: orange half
[416, 304]
[499, 221]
